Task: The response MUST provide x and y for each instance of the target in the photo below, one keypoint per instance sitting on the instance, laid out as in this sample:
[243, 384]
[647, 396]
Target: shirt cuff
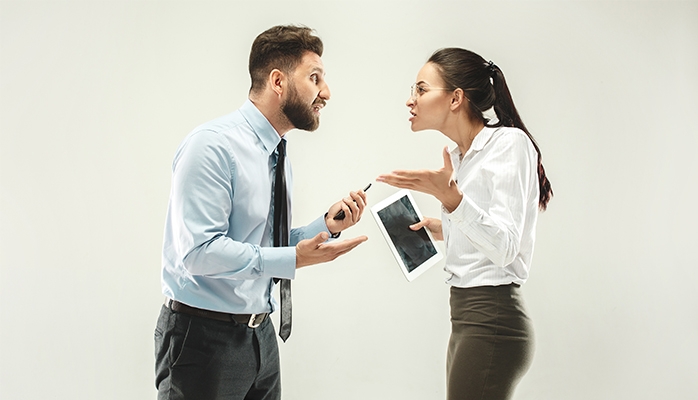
[279, 262]
[467, 211]
[318, 226]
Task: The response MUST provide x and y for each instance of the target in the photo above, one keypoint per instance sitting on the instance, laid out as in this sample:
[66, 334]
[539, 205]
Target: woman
[491, 188]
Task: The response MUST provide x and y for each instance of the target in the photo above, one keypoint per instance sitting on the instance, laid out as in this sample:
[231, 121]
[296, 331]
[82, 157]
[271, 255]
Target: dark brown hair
[280, 47]
[485, 87]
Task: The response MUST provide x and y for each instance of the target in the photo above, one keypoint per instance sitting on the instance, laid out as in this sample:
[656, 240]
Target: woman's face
[429, 101]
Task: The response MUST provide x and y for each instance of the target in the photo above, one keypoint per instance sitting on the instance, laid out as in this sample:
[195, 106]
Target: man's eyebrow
[317, 69]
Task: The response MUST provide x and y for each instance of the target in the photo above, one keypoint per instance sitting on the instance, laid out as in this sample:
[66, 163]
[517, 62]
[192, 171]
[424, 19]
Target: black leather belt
[251, 320]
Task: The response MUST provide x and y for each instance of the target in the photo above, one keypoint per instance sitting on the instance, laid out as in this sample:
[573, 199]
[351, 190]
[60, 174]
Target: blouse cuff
[466, 212]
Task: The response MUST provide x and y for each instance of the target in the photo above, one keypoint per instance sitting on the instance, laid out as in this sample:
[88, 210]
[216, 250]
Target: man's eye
[314, 78]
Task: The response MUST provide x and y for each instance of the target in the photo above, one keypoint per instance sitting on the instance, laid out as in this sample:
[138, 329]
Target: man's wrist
[332, 235]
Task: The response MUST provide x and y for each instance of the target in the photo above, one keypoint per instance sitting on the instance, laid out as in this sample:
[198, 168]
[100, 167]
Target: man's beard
[300, 114]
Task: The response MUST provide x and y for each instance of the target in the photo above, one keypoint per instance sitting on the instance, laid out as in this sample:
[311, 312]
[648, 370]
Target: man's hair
[280, 47]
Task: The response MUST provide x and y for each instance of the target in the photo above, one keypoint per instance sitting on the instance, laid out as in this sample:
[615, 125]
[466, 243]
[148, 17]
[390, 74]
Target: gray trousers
[198, 358]
[491, 344]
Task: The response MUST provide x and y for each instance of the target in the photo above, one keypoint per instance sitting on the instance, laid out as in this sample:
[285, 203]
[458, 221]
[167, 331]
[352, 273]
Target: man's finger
[349, 244]
[319, 239]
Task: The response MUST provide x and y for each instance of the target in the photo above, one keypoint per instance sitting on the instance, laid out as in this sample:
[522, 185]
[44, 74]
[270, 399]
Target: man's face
[307, 93]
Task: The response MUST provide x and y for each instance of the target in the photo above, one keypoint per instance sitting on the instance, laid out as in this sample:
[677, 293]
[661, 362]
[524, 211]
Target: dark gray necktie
[281, 235]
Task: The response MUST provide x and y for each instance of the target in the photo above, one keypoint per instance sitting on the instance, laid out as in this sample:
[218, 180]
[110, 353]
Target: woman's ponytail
[508, 116]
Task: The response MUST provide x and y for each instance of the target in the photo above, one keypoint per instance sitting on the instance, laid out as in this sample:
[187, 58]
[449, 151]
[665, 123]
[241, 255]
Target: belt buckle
[252, 323]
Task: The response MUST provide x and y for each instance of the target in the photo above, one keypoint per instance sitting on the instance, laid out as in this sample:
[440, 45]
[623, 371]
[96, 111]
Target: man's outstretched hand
[315, 251]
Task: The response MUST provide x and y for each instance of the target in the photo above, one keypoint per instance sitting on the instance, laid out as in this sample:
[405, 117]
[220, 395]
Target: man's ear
[278, 81]
[457, 99]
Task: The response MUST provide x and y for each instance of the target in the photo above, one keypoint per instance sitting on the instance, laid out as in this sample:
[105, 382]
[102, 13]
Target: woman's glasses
[416, 90]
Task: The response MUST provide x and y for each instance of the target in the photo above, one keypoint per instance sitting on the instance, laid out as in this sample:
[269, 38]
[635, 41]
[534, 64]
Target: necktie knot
[281, 149]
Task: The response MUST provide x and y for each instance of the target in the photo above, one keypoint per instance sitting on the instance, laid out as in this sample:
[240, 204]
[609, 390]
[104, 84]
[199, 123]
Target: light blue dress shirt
[217, 250]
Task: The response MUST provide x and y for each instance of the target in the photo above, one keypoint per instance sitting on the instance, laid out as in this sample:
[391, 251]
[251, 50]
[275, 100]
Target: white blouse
[489, 237]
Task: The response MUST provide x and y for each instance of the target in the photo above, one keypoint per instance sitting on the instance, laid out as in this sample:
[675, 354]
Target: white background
[96, 96]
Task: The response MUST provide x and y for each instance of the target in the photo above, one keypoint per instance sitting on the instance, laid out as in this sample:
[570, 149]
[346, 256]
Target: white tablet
[415, 251]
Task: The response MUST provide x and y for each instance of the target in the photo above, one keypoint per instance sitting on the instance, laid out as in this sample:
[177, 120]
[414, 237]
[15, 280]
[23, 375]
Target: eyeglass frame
[415, 86]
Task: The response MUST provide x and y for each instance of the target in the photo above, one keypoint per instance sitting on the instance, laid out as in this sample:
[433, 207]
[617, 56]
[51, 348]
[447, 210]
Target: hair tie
[491, 66]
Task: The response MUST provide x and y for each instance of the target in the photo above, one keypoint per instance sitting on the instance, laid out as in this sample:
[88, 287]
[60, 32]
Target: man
[214, 339]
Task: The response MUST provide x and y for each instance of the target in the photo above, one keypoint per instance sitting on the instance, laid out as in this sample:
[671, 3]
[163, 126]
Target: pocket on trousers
[179, 341]
[171, 335]
[163, 330]
[190, 346]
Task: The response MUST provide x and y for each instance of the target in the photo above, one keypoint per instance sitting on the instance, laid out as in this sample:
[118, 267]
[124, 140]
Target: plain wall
[96, 96]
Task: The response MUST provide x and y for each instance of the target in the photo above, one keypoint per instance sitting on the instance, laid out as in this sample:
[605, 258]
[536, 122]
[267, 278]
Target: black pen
[340, 215]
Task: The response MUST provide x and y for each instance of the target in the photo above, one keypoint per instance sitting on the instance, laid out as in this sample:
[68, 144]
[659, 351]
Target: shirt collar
[261, 126]
[478, 143]
[484, 136]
